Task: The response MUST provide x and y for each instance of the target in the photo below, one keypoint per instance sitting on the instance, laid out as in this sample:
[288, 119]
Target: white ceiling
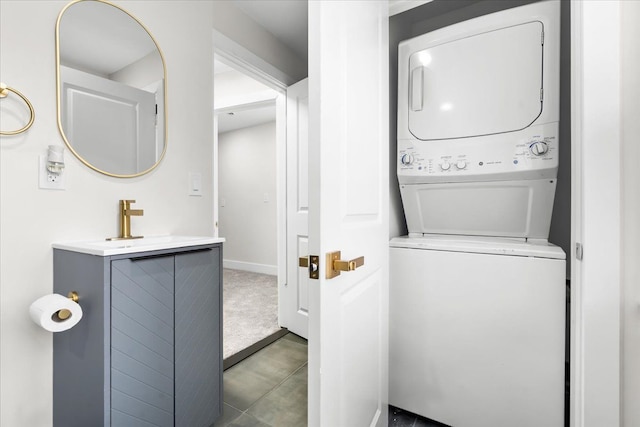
[287, 20]
[220, 67]
[239, 100]
[100, 38]
[240, 119]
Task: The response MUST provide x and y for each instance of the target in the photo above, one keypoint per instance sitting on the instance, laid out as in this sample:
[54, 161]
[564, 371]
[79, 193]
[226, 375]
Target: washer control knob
[406, 159]
[445, 165]
[461, 164]
[538, 148]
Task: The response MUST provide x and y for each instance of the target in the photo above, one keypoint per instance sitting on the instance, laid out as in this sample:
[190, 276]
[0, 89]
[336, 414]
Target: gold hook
[4, 92]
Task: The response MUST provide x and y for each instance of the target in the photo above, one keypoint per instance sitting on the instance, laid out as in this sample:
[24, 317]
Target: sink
[151, 243]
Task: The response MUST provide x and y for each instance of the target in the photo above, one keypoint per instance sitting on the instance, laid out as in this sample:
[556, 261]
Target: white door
[94, 106]
[348, 211]
[294, 296]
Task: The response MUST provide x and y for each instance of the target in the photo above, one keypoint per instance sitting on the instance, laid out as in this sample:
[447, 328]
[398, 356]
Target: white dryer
[477, 294]
[478, 113]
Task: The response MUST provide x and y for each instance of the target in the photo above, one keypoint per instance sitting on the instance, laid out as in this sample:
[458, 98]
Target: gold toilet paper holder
[64, 314]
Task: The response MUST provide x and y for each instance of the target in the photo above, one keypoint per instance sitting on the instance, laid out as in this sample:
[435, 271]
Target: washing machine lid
[480, 84]
[481, 245]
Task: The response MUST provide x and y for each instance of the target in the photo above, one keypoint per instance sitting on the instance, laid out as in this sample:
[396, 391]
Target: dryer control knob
[406, 159]
[538, 148]
[445, 166]
[461, 164]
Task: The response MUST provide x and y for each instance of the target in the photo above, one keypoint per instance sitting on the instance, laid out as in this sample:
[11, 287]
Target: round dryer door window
[479, 84]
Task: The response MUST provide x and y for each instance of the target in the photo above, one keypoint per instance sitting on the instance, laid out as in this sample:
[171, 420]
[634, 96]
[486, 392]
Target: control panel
[533, 149]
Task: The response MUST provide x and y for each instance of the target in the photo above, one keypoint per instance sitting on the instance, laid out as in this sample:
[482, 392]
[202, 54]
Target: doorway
[247, 209]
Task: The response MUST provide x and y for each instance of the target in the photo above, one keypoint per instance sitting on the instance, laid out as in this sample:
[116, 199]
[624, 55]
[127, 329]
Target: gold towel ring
[4, 91]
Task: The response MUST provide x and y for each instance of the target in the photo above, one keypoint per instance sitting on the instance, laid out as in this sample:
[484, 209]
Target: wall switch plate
[48, 180]
[195, 184]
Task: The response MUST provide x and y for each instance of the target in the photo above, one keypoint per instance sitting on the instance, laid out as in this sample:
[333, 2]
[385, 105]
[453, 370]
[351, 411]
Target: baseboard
[250, 266]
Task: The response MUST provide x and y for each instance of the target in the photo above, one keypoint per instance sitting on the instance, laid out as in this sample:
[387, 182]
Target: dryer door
[483, 84]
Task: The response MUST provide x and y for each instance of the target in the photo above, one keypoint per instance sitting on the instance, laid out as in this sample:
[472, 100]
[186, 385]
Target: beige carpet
[250, 309]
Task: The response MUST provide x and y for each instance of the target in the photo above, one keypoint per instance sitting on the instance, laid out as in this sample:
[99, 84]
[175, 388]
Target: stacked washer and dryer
[477, 304]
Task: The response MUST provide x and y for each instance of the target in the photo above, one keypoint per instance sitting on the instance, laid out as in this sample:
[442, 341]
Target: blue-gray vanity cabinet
[147, 351]
[142, 341]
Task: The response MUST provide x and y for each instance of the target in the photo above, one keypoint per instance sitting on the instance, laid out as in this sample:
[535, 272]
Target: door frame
[250, 64]
[295, 295]
[595, 377]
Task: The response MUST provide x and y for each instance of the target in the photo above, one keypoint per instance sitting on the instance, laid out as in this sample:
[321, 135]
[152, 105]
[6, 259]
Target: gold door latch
[313, 266]
[335, 265]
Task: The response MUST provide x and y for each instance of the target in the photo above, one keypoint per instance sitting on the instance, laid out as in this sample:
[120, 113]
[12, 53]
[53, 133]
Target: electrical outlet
[48, 180]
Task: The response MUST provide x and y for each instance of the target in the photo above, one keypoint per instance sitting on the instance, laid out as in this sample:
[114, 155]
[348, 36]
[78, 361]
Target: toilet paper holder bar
[64, 314]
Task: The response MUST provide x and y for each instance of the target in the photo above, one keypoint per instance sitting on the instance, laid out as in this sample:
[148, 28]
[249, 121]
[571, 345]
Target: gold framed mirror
[111, 89]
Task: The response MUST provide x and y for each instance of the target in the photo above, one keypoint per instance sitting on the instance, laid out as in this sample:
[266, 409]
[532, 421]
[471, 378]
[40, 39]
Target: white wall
[630, 83]
[235, 25]
[30, 219]
[247, 171]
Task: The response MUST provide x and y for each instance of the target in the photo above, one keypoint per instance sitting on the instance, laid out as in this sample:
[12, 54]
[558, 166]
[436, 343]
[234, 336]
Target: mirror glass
[111, 89]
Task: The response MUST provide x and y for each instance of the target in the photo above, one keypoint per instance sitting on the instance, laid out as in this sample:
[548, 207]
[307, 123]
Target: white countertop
[129, 246]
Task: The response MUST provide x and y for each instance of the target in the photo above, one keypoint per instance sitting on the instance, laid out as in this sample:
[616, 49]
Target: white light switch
[195, 184]
[265, 198]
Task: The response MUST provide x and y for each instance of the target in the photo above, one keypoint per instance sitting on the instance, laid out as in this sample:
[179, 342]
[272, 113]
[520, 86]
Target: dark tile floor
[269, 389]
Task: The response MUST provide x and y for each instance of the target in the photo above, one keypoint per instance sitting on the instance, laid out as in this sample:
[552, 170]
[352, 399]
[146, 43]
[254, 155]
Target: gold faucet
[125, 220]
